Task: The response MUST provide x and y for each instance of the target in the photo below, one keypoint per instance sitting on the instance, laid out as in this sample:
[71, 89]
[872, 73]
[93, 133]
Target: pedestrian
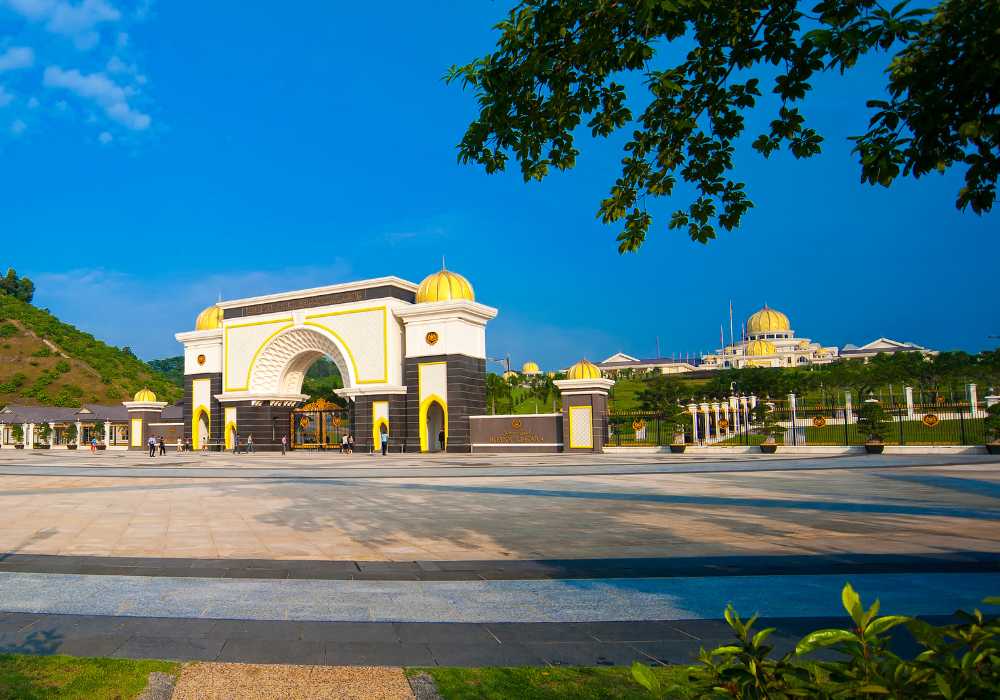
[385, 440]
[187, 445]
[180, 445]
[151, 444]
[204, 443]
[250, 443]
[441, 439]
[284, 443]
[350, 444]
[236, 443]
[93, 444]
[343, 444]
[163, 446]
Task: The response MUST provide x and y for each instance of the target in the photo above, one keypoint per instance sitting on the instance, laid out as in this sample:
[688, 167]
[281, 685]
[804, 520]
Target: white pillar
[970, 391]
[715, 409]
[52, 434]
[79, 433]
[734, 409]
[847, 404]
[908, 391]
[107, 433]
[694, 422]
[29, 444]
[725, 416]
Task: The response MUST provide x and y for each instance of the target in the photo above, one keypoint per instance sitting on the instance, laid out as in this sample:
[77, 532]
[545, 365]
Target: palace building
[769, 341]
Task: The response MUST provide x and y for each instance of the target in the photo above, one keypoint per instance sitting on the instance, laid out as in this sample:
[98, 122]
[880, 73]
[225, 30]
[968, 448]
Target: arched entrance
[202, 429]
[433, 424]
[280, 366]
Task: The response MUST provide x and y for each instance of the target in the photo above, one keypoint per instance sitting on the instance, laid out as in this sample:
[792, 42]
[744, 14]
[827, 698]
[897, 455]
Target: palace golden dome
[445, 285]
[584, 369]
[144, 395]
[766, 321]
[761, 347]
[530, 368]
[209, 319]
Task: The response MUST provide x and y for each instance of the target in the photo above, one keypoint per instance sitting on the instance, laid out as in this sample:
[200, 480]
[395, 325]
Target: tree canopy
[18, 287]
[558, 63]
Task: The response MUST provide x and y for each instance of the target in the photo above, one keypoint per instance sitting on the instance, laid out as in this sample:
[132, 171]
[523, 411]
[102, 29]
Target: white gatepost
[28, 429]
[715, 409]
[971, 393]
[694, 422]
[107, 434]
[908, 391]
[52, 434]
[79, 433]
[847, 404]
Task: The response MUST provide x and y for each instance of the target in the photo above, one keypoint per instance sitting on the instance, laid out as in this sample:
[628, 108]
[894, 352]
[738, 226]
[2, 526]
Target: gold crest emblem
[431, 338]
[723, 423]
[930, 420]
[201, 359]
[516, 424]
[819, 421]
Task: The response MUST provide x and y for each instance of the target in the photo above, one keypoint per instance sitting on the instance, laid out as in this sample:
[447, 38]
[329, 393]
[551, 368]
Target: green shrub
[957, 661]
[7, 330]
[44, 352]
[765, 421]
[18, 432]
[62, 367]
[992, 422]
[873, 421]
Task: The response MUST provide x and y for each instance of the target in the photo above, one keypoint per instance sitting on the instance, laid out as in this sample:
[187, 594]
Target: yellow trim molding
[424, 407]
[354, 364]
[253, 360]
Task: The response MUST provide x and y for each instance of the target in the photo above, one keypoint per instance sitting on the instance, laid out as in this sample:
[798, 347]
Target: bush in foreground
[957, 661]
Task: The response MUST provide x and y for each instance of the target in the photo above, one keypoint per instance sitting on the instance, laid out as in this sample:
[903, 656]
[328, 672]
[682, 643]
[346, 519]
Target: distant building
[770, 342]
[883, 345]
[620, 362]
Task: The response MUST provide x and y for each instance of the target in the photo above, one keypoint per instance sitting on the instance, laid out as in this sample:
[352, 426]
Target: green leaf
[762, 635]
[992, 600]
[852, 603]
[884, 624]
[823, 638]
[645, 677]
[943, 687]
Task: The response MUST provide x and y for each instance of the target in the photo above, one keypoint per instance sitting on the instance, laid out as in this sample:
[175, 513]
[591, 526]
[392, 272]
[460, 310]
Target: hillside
[45, 361]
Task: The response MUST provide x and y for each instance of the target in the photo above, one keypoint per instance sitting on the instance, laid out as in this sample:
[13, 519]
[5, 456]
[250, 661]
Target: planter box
[18, 447]
[102, 447]
[43, 447]
[71, 447]
[874, 448]
[768, 449]
[677, 449]
[993, 448]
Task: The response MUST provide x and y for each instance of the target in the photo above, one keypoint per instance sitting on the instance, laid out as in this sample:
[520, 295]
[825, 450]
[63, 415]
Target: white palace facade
[769, 341]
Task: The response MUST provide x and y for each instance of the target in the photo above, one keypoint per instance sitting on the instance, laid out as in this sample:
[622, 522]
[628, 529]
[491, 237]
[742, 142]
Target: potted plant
[766, 424]
[17, 432]
[42, 433]
[679, 442]
[873, 421]
[69, 435]
[992, 427]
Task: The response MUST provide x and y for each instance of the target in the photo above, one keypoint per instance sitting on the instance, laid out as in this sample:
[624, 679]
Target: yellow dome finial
[144, 395]
[584, 369]
[444, 285]
[209, 319]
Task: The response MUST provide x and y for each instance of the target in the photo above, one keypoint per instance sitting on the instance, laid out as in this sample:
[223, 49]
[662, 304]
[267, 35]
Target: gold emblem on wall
[819, 421]
[723, 423]
[431, 338]
[201, 359]
[930, 420]
[516, 424]
[638, 424]
[304, 422]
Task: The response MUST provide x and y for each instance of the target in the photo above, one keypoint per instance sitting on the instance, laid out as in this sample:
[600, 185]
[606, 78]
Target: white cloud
[5, 97]
[99, 88]
[105, 137]
[18, 127]
[78, 22]
[16, 57]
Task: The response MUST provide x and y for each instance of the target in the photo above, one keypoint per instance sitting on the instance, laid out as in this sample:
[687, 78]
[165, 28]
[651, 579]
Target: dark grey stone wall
[466, 397]
[510, 433]
[362, 423]
[266, 423]
[599, 405]
[371, 294]
[215, 408]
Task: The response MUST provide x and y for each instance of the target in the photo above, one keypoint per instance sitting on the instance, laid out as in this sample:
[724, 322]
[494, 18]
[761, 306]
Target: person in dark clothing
[162, 444]
[441, 439]
[284, 443]
[385, 440]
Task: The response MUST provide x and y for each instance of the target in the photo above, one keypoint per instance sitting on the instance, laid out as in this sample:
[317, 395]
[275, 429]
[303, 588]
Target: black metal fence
[928, 424]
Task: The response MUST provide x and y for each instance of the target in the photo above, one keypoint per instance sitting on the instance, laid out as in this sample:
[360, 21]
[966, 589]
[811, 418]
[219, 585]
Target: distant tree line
[18, 287]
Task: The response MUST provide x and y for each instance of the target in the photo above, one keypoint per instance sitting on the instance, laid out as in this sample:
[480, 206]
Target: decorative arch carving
[282, 364]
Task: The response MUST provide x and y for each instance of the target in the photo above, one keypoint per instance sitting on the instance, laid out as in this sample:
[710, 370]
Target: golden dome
[209, 319]
[509, 374]
[761, 347]
[766, 321]
[584, 369]
[445, 285]
[144, 395]
[530, 368]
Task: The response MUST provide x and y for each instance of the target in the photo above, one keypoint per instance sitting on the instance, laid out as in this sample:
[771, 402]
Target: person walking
[93, 444]
[350, 444]
[441, 440]
[180, 445]
[284, 443]
[236, 443]
[151, 444]
[385, 440]
[343, 444]
[163, 446]
[250, 444]
[187, 445]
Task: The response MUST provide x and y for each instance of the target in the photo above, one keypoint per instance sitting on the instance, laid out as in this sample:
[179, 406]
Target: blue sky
[157, 154]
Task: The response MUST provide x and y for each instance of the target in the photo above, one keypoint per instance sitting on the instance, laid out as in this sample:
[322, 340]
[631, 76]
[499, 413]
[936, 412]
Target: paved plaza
[474, 560]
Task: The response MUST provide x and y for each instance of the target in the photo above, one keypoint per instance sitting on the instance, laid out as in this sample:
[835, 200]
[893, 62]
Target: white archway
[281, 365]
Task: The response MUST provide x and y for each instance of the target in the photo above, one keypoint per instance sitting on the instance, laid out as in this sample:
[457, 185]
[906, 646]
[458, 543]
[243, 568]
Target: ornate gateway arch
[412, 359]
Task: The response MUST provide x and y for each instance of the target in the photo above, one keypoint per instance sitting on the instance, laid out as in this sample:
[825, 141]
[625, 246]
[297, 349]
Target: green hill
[45, 361]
